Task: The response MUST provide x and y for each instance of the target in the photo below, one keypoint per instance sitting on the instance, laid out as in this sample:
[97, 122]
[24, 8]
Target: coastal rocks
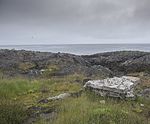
[99, 71]
[122, 87]
[96, 70]
[138, 64]
[121, 61]
[34, 64]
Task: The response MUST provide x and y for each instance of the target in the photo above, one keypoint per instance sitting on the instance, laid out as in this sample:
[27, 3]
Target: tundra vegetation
[18, 95]
[28, 78]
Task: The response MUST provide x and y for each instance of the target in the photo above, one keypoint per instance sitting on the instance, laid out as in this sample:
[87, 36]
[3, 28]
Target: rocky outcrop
[122, 62]
[31, 63]
[122, 87]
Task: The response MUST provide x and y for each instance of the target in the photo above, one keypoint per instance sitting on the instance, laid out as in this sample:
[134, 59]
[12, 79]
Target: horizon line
[74, 44]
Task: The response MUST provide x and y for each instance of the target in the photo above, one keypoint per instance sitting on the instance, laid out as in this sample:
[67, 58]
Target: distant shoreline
[80, 49]
[73, 44]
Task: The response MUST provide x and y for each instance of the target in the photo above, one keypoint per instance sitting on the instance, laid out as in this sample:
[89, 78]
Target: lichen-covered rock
[114, 87]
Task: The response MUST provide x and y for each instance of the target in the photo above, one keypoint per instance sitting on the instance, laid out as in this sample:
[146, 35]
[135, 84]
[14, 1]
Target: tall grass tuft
[13, 87]
[84, 111]
[12, 112]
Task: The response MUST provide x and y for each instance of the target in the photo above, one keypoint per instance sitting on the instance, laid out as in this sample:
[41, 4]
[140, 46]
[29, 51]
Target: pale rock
[142, 105]
[59, 97]
[102, 101]
[114, 87]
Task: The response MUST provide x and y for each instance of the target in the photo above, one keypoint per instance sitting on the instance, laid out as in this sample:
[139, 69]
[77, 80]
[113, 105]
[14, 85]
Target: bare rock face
[121, 87]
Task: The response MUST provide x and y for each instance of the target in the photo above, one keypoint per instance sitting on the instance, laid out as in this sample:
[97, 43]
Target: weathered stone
[142, 105]
[59, 97]
[114, 87]
[62, 96]
[102, 101]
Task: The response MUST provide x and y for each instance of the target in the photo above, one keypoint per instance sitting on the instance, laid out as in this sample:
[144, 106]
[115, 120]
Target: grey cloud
[81, 20]
[142, 11]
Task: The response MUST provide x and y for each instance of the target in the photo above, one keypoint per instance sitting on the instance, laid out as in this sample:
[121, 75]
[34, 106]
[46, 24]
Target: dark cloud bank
[74, 21]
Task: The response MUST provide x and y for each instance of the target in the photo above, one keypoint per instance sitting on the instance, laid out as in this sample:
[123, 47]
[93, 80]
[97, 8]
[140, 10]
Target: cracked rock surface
[114, 87]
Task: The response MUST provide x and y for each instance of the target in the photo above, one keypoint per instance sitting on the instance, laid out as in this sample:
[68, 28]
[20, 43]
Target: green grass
[12, 108]
[12, 112]
[85, 111]
[13, 87]
[18, 94]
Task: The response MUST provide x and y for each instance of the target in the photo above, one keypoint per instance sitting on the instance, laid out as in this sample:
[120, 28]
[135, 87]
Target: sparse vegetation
[87, 109]
[12, 112]
[20, 94]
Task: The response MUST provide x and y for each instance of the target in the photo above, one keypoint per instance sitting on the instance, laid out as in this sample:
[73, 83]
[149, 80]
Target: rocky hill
[122, 61]
[31, 63]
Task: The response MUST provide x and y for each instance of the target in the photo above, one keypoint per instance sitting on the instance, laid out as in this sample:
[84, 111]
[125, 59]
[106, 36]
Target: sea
[80, 49]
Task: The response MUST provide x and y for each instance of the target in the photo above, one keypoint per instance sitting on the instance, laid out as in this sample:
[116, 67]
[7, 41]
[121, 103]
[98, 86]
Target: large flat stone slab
[115, 87]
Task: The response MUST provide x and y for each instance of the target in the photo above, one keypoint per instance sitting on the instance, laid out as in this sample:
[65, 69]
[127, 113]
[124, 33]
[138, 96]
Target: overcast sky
[74, 21]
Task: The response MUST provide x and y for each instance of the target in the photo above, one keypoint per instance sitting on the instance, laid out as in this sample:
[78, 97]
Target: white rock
[142, 105]
[115, 87]
[102, 101]
[59, 97]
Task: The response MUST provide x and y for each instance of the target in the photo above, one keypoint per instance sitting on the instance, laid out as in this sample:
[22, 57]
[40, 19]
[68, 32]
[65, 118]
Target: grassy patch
[12, 112]
[85, 111]
[65, 87]
[14, 87]
[19, 94]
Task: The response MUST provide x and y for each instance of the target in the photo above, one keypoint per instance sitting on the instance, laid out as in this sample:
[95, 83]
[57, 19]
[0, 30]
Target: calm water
[80, 49]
